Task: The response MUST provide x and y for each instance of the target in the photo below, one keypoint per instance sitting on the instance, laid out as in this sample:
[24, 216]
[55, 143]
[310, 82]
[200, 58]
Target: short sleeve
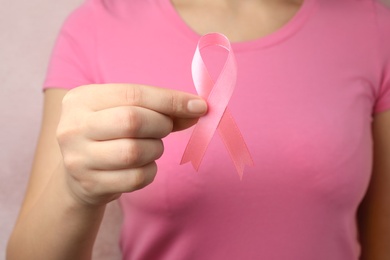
[72, 61]
[383, 18]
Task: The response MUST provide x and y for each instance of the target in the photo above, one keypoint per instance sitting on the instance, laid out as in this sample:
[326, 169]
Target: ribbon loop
[218, 117]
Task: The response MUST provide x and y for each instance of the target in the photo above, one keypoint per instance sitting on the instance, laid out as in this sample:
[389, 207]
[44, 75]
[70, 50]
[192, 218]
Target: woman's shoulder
[92, 12]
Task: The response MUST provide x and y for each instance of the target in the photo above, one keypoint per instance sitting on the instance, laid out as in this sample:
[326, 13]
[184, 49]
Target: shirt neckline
[283, 33]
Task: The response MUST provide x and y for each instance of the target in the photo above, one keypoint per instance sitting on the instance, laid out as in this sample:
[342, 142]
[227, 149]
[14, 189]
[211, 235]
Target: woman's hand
[110, 136]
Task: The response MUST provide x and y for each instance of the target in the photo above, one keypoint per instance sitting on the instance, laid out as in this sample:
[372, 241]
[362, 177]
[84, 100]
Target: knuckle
[130, 122]
[66, 134]
[144, 176]
[63, 135]
[72, 163]
[159, 148]
[70, 97]
[90, 187]
[168, 127]
[130, 154]
[133, 95]
[139, 179]
[71, 127]
[60, 135]
[175, 103]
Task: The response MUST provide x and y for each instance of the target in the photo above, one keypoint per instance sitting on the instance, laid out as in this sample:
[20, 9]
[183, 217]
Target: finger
[127, 122]
[123, 153]
[165, 101]
[121, 181]
[183, 123]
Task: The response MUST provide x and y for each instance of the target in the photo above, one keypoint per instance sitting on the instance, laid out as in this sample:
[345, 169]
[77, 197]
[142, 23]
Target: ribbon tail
[201, 136]
[191, 154]
[236, 146]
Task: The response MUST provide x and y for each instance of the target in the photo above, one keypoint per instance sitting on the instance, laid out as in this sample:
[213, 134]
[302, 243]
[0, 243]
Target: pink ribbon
[218, 116]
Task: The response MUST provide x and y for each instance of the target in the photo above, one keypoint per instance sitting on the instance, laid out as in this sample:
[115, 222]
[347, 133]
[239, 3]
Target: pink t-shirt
[304, 102]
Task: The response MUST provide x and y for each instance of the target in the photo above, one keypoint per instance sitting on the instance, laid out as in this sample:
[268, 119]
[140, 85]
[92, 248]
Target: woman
[312, 102]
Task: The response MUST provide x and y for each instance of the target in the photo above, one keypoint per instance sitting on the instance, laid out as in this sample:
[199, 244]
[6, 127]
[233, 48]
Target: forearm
[375, 226]
[375, 209]
[56, 227]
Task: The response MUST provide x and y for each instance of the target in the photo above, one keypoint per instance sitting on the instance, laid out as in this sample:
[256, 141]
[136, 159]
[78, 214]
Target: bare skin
[238, 20]
[73, 176]
[71, 182]
[375, 209]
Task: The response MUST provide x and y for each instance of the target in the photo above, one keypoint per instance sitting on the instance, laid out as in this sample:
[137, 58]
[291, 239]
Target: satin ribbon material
[218, 116]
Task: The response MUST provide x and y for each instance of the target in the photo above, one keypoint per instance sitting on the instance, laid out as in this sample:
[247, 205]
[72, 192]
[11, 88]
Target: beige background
[28, 29]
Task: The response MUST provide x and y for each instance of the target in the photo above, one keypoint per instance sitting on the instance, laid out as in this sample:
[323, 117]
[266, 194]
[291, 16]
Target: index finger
[166, 101]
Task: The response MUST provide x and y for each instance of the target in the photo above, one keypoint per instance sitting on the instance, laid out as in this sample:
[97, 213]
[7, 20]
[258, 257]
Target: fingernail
[197, 106]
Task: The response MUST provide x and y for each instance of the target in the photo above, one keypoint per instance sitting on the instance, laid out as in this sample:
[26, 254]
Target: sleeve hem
[63, 83]
[381, 109]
